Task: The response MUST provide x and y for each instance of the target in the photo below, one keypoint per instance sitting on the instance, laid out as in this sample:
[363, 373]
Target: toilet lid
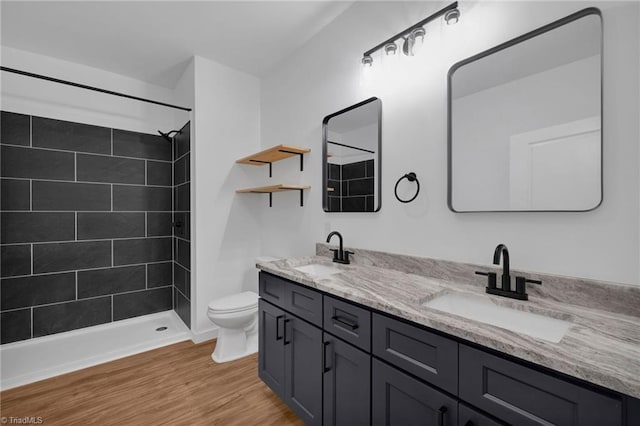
[234, 302]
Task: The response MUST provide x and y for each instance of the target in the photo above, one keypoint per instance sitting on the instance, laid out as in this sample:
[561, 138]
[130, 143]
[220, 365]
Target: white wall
[324, 76]
[31, 96]
[225, 230]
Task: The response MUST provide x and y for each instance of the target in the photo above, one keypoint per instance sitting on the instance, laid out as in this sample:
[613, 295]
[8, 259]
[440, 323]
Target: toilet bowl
[237, 318]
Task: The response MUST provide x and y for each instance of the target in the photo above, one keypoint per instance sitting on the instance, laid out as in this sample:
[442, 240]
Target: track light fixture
[413, 37]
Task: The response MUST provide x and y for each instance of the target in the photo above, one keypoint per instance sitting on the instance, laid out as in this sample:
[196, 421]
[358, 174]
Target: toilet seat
[239, 302]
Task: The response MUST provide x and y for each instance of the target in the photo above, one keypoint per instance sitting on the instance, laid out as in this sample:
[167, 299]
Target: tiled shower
[87, 226]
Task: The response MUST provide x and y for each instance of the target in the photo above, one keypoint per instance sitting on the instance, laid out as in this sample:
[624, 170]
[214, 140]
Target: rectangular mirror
[351, 142]
[525, 120]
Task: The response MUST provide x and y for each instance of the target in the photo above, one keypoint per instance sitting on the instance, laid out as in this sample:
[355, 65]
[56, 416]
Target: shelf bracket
[301, 155]
[301, 198]
[271, 199]
[264, 162]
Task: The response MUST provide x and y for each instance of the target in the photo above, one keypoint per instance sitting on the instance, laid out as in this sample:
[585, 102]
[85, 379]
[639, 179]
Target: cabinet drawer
[349, 322]
[467, 416]
[398, 399]
[524, 396]
[426, 355]
[303, 302]
[271, 288]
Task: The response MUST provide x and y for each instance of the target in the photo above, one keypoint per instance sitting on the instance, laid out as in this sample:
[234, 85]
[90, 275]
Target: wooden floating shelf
[270, 189]
[273, 154]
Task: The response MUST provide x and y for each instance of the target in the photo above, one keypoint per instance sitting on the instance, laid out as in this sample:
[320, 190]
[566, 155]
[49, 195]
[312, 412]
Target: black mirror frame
[325, 177]
[546, 28]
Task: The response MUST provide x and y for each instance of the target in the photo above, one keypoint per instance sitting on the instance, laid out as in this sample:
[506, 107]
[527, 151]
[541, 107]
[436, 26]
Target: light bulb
[452, 16]
[390, 49]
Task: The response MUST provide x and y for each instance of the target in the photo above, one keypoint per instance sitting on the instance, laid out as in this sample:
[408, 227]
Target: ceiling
[154, 41]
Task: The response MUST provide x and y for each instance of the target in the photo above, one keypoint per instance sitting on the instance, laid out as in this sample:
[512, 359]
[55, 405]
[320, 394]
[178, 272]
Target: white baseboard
[203, 336]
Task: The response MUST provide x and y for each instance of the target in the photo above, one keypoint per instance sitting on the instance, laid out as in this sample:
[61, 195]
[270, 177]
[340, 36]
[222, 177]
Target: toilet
[237, 317]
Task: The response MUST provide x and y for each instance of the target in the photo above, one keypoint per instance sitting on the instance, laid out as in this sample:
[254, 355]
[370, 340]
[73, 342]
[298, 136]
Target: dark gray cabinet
[270, 346]
[303, 374]
[290, 361]
[350, 323]
[347, 384]
[467, 416]
[523, 396]
[337, 363]
[399, 399]
[426, 355]
[304, 302]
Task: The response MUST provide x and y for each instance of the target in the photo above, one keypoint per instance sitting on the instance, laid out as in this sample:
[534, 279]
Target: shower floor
[36, 359]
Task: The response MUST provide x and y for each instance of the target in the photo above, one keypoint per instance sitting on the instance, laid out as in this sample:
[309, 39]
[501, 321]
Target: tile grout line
[75, 166]
[76, 220]
[94, 240]
[31, 259]
[32, 322]
[89, 182]
[112, 308]
[31, 195]
[112, 259]
[68, 271]
[111, 130]
[76, 285]
[42, 148]
[30, 130]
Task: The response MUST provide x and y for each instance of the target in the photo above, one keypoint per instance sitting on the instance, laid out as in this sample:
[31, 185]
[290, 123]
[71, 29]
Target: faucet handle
[492, 278]
[521, 284]
[335, 254]
[346, 256]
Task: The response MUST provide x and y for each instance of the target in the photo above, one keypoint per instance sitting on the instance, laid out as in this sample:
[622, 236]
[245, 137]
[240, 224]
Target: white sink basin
[318, 270]
[483, 309]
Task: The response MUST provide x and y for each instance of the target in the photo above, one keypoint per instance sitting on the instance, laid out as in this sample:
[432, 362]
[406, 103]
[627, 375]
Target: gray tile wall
[353, 187]
[182, 230]
[85, 217]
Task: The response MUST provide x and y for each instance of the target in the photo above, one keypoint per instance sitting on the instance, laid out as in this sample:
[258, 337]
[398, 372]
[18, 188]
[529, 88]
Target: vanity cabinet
[337, 363]
[467, 416]
[426, 355]
[290, 361]
[347, 384]
[399, 399]
[523, 396]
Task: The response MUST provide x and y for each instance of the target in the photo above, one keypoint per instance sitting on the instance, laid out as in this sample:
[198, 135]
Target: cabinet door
[467, 416]
[347, 384]
[303, 361]
[271, 368]
[523, 396]
[400, 400]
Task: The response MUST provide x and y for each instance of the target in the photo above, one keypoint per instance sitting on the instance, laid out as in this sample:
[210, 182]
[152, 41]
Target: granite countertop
[601, 347]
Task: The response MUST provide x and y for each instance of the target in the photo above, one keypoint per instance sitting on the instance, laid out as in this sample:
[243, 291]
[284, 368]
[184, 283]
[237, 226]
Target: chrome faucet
[339, 255]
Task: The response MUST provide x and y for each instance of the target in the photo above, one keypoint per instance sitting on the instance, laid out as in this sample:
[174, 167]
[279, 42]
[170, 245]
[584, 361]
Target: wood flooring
[175, 385]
